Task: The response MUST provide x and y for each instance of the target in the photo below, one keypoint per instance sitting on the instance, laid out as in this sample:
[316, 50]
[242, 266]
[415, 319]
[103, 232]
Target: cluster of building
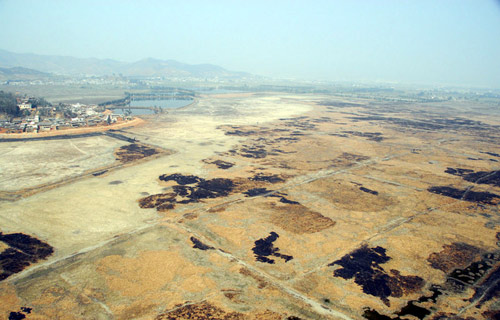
[63, 116]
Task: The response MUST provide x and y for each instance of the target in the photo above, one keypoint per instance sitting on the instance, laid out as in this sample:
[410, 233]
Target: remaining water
[165, 104]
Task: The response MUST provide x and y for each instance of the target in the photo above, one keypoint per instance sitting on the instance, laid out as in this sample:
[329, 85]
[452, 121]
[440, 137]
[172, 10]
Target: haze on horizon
[418, 42]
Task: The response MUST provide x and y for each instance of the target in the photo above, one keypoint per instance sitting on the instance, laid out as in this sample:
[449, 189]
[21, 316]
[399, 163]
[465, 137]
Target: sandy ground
[312, 187]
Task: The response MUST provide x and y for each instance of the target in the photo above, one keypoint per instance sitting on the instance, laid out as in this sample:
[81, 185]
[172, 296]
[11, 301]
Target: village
[35, 118]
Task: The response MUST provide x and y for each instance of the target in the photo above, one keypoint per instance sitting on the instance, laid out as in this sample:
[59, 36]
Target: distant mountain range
[71, 66]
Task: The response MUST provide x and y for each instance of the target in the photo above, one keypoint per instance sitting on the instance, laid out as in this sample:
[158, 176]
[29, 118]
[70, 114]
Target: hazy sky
[420, 41]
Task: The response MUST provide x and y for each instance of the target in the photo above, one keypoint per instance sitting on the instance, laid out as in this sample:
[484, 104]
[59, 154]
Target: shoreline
[75, 131]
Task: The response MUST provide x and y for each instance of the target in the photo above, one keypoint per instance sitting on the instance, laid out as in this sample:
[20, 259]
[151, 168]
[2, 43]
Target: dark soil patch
[363, 265]
[466, 195]
[264, 248]
[116, 182]
[23, 250]
[197, 244]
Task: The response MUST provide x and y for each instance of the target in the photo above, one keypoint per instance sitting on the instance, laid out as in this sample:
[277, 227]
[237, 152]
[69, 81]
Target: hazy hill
[20, 73]
[91, 66]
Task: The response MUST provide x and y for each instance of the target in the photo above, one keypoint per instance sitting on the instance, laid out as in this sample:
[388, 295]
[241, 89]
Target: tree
[8, 103]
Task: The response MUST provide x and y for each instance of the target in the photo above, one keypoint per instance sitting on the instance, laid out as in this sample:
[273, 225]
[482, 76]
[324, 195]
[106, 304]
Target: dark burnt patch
[458, 171]
[134, 151]
[348, 159]
[253, 152]
[115, 182]
[23, 250]
[241, 133]
[412, 308]
[455, 255]
[287, 201]
[475, 274]
[372, 314]
[490, 153]
[492, 314]
[203, 310]
[224, 165]
[373, 136]
[180, 178]
[489, 290]
[254, 192]
[335, 104]
[157, 200]
[26, 309]
[342, 135]
[99, 173]
[466, 194]
[302, 123]
[363, 265]
[264, 248]
[479, 177]
[322, 120]
[272, 178]
[189, 189]
[368, 191]
[430, 124]
[197, 244]
[286, 139]
[482, 275]
[218, 187]
[17, 316]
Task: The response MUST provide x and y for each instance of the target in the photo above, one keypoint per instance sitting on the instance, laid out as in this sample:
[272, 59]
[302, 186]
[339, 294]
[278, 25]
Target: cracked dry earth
[271, 206]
